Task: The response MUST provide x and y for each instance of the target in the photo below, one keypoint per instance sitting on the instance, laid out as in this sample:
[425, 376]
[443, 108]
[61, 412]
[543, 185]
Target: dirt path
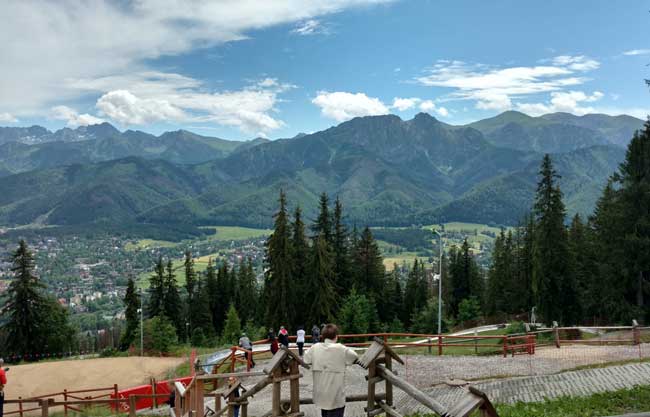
[48, 377]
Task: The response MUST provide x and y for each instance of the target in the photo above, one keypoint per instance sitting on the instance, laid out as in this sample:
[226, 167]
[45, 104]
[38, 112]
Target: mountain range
[387, 171]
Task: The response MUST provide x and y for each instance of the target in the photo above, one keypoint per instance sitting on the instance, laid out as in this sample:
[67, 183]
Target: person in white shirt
[328, 362]
[300, 340]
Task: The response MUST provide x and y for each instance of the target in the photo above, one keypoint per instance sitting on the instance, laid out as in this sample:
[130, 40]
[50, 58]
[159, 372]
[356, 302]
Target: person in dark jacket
[283, 337]
[315, 334]
[274, 342]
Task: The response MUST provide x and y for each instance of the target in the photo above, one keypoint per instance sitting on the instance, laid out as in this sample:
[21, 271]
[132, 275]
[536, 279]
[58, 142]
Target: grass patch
[633, 400]
[148, 244]
[226, 233]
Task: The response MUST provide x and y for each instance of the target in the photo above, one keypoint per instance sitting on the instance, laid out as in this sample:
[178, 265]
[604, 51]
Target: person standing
[315, 334]
[328, 362]
[273, 341]
[300, 340]
[3, 382]
[245, 343]
[283, 337]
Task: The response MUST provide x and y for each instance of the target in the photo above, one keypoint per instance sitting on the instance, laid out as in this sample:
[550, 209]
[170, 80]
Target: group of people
[328, 361]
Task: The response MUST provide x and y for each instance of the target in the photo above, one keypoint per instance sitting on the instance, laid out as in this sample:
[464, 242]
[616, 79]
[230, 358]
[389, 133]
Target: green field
[200, 265]
[225, 233]
[148, 244]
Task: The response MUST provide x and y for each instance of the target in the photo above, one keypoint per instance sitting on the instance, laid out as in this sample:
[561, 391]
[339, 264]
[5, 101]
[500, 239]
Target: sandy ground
[48, 377]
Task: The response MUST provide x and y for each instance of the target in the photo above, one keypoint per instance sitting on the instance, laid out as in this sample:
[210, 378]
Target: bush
[469, 309]
[232, 328]
[426, 320]
[357, 314]
[198, 337]
[516, 327]
[159, 335]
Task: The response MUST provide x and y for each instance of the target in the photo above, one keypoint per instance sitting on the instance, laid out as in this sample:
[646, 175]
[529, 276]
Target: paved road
[538, 388]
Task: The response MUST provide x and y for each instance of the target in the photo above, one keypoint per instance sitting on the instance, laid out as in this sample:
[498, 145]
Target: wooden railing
[67, 396]
[45, 405]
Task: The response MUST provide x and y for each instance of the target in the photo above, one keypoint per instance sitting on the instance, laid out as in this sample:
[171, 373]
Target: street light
[439, 284]
[141, 311]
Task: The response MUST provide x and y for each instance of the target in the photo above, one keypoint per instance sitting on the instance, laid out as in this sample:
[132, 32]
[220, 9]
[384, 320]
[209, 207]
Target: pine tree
[212, 289]
[232, 327]
[132, 304]
[247, 293]
[415, 294]
[342, 268]
[323, 224]
[172, 301]
[584, 263]
[155, 307]
[300, 255]
[26, 306]
[201, 310]
[552, 278]
[279, 285]
[393, 297]
[498, 298]
[226, 292]
[634, 180]
[321, 294]
[369, 267]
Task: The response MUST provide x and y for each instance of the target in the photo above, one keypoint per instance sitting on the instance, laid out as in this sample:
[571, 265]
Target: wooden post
[20, 406]
[556, 332]
[45, 406]
[475, 341]
[198, 397]
[132, 407]
[65, 399]
[233, 358]
[429, 347]
[178, 400]
[372, 374]
[439, 345]
[217, 397]
[505, 346]
[389, 385]
[277, 392]
[294, 384]
[154, 400]
[636, 333]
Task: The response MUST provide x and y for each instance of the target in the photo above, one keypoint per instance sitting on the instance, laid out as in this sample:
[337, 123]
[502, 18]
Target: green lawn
[147, 244]
[200, 265]
[225, 233]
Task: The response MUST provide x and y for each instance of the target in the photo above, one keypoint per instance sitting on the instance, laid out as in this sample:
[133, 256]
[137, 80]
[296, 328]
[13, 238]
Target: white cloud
[563, 101]
[403, 104]
[104, 39]
[128, 109]
[634, 52]
[7, 118]
[342, 106]
[498, 88]
[72, 118]
[576, 63]
[429, 106]
[310, 27]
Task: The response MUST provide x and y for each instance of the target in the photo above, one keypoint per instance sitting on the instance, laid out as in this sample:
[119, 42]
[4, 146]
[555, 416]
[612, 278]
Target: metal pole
[141, 325]
[439, 284]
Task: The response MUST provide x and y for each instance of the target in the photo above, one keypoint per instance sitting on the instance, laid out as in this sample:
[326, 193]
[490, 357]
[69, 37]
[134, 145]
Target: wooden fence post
[505, 346]
[132, 406]
[439, 345]
[45, 406]
[65, 399]
[636, 333]
[20, 406]
[429, 347]
[556, 333]
[233, 358]
[154, 402]
[475, 341]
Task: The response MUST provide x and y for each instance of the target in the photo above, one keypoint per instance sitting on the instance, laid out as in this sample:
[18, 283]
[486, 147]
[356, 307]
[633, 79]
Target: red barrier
[162, 387]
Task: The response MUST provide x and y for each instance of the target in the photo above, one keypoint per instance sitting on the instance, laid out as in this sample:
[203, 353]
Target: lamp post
[141, 324]
[439, 284]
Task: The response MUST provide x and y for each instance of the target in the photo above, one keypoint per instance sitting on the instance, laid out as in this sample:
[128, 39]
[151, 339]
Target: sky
[239, 69]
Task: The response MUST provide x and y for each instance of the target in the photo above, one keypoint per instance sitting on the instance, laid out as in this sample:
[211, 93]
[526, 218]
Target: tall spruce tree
[369, 268]
[552, 276]
[633, 178]
[155, 307]
[279, 284]
[247, 293]
[225, 289]
[321, 294]
[172, 301]
[323, 224]
[26, 307]
[190, 284]
[393, 297]
[300, 254]
[499, 297]
[131, 304]
[201, 310]
[415, 294]
[215, 300]
[342, 267]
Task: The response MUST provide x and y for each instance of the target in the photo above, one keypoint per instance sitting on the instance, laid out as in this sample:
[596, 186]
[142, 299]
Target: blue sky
[240, 69]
